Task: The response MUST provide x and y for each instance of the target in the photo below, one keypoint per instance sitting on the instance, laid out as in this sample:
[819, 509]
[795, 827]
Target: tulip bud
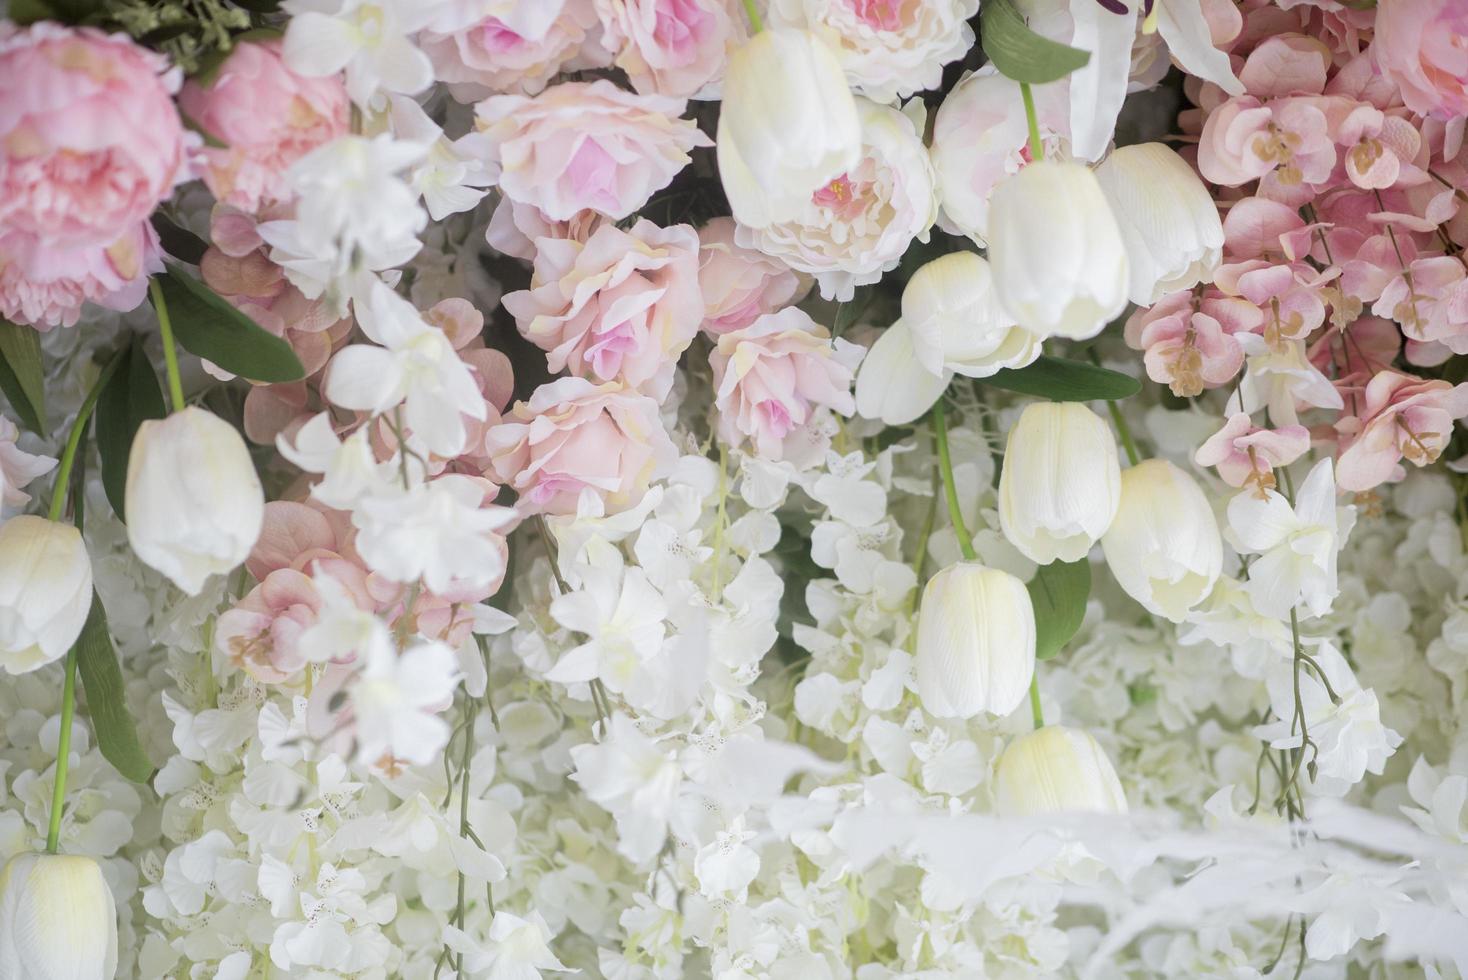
[1054, 770]
[1169, 223]
[45, 591]
[975, 643]
[1163, 545]
[57, 919]
[1061, 482]
[194, 504]
[957, 325]
[1060, 267]
[787, 127]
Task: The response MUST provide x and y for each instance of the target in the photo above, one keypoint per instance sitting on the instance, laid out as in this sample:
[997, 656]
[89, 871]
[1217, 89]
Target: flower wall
[874, 489]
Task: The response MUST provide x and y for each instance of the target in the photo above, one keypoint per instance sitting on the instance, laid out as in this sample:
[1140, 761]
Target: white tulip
[788, 125]
[1055, 770]
[975, 643]
[893, 385]
[57, 919]
[194, 504]
[45, 591]
[1060, 268]
[1163, 546]
[1169, 223]
[1061, 482]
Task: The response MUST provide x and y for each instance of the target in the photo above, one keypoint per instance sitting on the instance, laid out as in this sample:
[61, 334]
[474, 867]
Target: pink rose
[492, 56]
[740, 284]
[1419, 46]
[574, 436]
[45, 285]
[267, 116]
[586, 145]
[620, 307]
[89, 139]
[771, 376]
[672, 47]
[514, 228]
[1190, 340]
[1246, 455]
[1403, 418]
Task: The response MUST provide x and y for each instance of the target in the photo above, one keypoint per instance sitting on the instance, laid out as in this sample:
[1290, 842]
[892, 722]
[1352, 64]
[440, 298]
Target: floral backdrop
[733, 488]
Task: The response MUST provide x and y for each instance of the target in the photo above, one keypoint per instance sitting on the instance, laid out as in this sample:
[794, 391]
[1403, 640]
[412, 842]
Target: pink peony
[1403, 418]
[586, 145]
[620, 307]
[267, 116]
[492, 56]
[671, 47]
[90, 141]
[740, 284]
[1246, 455]
[1190, 340]
[1419, 46]
[45, 285]
[574, 436]
[770, 377]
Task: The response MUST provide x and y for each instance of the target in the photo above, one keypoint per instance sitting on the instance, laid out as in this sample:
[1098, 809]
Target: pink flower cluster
[90, 142]
[1344, 280]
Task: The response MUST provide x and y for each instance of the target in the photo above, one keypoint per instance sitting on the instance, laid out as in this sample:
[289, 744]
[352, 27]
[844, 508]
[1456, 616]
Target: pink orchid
[1246, 454]
[1189, 340]
[1403, 418]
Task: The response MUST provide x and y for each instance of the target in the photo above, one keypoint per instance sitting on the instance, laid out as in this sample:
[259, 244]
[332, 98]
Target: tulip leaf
[21, 376]
[207, 325]
[1021, 54]
[131, 397]
[101, 675]
[1058, 592]
[178, 241]
[1065, 381]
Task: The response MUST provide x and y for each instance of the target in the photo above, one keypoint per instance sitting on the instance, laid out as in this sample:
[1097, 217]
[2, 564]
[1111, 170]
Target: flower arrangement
[872, 489]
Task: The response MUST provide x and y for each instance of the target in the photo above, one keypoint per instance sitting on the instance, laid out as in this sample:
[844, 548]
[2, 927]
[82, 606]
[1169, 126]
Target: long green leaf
[21, 375]
[208, 326]
[1066, 381]
[1021, 54]
[1058, 592]
[101, 675]
[130, 399]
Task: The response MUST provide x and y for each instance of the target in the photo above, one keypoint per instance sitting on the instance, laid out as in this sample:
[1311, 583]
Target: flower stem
[63, 753]
[1125, 431]
[945, 465]
[74, 438]
[170, 352]
[754, 17]
[1037, 149]
[1035, 711]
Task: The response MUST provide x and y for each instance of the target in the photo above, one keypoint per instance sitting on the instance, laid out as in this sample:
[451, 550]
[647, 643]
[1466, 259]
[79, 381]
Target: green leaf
[101, 675]
[131, 397]
[1065, 381]
[178, 241]
[206, 325]
[21, 376]
[1058, 592]
[1021, 54]
[25, 12]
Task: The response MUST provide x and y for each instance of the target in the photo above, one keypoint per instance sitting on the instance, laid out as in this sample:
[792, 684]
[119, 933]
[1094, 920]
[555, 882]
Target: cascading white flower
[453, 176]
[1056, 769]
[976, 642]
[1297, 545]
[633, 778]
[45, 591]
[624, 620]
[1061, 482]
[441, 531]
[57, 919]
[369, 39]
[396, 698]
[1163, 546]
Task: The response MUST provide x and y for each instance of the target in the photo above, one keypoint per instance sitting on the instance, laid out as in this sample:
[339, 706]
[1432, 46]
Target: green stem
[1035, 711]
[1037, 149]
[945, 465]
[754, 18]
[170, 352]
[1125, 431]
[74, 438]
[63, 753]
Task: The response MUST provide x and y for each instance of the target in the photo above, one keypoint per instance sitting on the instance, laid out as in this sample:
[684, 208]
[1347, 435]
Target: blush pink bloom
[267, 116]
[771, 376]
[90, 141]
[1403, 418]
[1419, 46]
[622, 306]
[1246, 455]
[514, 228]
[574, 436]
[1190, 341]
[586, 145]
[45, 285]
[493, 56]
[740, 284]
[671, 47]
